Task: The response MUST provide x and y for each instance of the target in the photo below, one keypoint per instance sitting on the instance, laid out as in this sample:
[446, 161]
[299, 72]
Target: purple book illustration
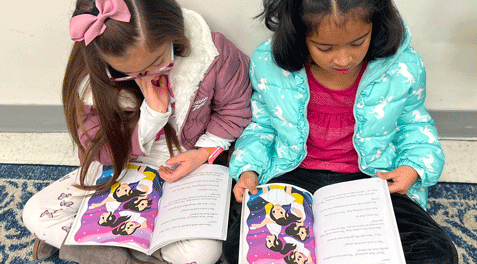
[280, 226]
[126, 213]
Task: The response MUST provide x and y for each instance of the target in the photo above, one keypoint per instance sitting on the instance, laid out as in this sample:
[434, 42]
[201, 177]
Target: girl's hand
[188, 161]
[247, 180]
[403, 178]
[155, 91]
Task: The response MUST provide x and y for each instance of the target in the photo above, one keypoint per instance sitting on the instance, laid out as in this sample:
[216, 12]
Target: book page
[355, 223]
[277, 225]
[124, 215]
[195, 206]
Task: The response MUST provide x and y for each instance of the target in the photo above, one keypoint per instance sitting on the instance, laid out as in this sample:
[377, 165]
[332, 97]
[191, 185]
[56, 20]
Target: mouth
[342, 71]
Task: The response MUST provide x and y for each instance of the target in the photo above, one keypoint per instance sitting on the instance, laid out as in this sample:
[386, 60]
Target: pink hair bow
[87, 26]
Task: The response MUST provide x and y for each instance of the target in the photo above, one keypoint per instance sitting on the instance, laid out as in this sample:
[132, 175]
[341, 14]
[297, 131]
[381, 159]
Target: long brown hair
[157, 22]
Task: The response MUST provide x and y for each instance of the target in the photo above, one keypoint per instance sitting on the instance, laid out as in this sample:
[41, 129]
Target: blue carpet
[17, 184]
[453, 206]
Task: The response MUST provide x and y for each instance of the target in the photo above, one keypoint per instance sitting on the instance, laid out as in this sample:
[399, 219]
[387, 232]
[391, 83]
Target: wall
[444, 32]
[33, 51]
[35, 45]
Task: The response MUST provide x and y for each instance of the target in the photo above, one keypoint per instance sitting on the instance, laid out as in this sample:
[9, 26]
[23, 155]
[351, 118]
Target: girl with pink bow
[146, 82]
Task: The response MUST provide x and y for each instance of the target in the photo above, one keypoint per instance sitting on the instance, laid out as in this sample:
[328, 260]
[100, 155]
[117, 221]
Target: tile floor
[57, 149]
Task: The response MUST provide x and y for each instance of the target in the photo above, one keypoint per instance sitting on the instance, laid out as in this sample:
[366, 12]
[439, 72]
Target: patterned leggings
[49, 215]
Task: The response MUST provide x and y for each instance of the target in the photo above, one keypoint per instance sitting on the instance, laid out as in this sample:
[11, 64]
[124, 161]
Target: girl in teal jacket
[392, 127]
[339, 95]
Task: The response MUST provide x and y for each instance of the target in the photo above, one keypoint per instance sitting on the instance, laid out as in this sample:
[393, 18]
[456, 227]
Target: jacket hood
[377, 67]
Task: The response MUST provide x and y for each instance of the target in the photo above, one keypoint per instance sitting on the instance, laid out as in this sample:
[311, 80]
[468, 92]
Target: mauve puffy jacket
[219, 104]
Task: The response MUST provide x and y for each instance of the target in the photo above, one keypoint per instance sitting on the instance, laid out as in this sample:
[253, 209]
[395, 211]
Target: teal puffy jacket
[392, 129]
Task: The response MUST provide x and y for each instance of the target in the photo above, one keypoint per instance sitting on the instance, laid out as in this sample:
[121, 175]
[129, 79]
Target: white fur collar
[187, 72]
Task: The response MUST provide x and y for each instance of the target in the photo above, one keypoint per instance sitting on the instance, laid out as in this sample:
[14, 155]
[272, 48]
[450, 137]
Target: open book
[349, 222]
[145, 213]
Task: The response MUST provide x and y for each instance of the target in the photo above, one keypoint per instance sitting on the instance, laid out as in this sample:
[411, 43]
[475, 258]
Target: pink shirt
[330, 116]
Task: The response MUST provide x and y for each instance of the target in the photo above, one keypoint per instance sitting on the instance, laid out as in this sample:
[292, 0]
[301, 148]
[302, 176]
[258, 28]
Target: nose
[343, 58]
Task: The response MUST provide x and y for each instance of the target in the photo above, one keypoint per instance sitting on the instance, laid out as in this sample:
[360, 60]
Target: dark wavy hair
[280, 248]
[290, 230]
[121, 230]
[293, 20]
[133, 204]
[112, 221]
[133, 193]
[286, 219]
[159, 22]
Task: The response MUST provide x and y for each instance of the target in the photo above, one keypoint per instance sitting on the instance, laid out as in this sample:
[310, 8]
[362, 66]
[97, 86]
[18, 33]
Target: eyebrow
[363, 36]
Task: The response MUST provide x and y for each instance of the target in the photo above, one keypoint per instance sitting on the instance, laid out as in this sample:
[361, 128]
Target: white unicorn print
[262, 86]
[279, 114]
[403, 71]
[280, 150]
[420, 118]
[360, 105]
[268, 137]
[428, 162]
[426, 131]
[238, 154]
[418, 93]
[378, 154]
[362, 139]
[255, 109]
[379, 109]
[392, 148]
[246, 167]
[295, 148]
[254, 126]
[285, 73]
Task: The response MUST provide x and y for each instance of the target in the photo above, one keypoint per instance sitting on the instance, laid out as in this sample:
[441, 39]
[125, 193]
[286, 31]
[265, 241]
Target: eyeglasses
[146, 73]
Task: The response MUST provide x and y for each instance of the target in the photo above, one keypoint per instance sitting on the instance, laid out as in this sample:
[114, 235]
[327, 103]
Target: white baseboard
[451, 125]
[32, 118]
[33, 138]
[455, 125]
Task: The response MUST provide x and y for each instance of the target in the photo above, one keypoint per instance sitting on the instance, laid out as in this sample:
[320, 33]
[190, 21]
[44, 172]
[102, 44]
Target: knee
[200, 251]
[30, 212]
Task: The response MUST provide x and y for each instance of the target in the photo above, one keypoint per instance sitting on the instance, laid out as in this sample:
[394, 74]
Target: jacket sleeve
[231, 102]
[92, 127]
[254, 149]
[416, 141]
